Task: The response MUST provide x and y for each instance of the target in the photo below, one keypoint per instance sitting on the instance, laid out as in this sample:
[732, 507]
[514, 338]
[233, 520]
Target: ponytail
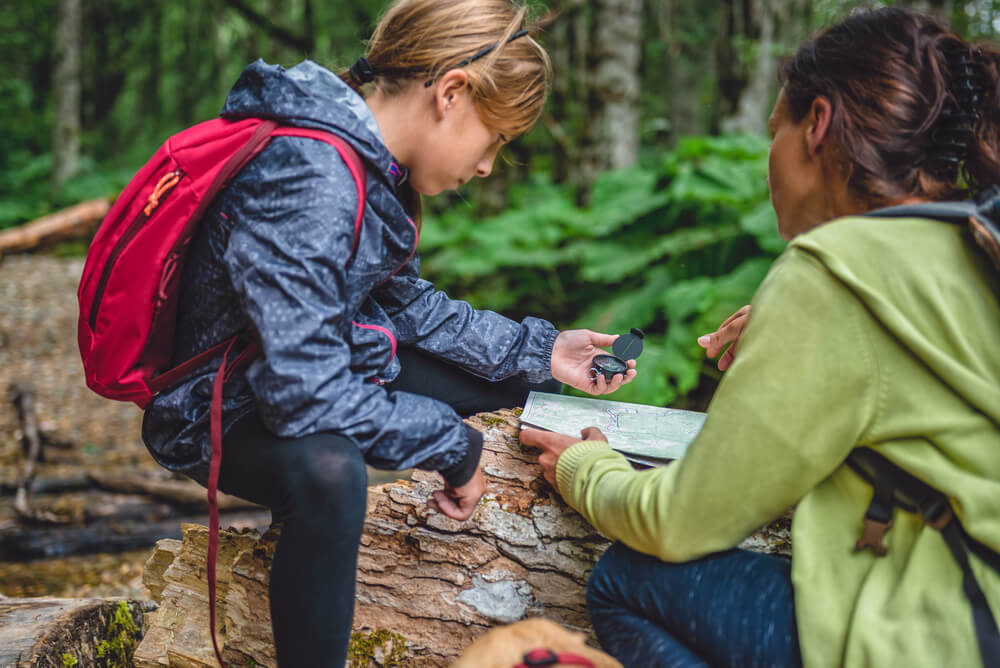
[982, 165]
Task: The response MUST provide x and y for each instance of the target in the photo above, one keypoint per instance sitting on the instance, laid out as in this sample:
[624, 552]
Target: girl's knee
[326, 473]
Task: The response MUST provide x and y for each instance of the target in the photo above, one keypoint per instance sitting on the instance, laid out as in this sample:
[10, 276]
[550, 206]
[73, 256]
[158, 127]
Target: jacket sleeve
[801, 393]
[481, 342]
[285, 257]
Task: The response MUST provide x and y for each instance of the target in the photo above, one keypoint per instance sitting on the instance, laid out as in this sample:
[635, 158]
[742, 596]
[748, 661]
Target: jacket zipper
[133, 229]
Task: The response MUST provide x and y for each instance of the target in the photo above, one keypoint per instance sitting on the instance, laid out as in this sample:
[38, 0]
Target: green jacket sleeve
[798, 398]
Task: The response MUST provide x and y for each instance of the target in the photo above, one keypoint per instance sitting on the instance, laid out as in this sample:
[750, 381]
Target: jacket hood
[308, 95]
[923, 282]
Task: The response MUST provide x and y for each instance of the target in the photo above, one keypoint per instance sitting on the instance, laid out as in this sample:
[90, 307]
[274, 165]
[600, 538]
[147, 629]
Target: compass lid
[629, 346]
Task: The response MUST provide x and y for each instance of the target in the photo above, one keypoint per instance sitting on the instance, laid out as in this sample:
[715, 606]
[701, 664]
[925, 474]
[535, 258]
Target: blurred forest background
[639, 200]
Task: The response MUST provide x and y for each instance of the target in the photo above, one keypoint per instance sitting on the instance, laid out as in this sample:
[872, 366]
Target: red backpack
[128, 291]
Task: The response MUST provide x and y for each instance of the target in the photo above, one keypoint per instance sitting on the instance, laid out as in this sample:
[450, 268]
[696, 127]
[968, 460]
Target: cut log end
[56, 632]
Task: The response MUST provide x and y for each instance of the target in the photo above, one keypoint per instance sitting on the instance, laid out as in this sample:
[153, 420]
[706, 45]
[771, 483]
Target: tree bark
[40, 632]
[427, 585]
[66, 85]
[617, 43]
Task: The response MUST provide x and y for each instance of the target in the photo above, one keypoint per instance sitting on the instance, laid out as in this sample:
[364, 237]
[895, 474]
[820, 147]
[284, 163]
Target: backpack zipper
[162, 188]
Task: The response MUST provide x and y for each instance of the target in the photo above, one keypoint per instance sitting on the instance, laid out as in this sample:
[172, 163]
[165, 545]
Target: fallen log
[186, 493]
[51, 485]
[427, 585]
[25, 543]
[58, 632]
[76, 222]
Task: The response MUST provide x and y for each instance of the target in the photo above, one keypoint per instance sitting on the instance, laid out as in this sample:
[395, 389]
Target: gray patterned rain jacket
[270, 255]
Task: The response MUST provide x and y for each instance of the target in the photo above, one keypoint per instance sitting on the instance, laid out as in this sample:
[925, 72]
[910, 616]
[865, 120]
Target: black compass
[626, 347]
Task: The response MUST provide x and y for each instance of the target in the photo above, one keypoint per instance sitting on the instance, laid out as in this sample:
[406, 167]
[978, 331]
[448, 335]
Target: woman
[362, 361]
[868, 331]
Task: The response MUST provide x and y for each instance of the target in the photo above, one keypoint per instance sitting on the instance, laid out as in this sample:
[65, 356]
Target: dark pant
[733, 608]
[316, 485]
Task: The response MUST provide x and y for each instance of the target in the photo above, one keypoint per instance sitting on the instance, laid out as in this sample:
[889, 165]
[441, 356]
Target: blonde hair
[423, 39]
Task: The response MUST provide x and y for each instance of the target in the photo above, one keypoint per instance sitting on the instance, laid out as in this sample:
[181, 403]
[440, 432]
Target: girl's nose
[485, 167]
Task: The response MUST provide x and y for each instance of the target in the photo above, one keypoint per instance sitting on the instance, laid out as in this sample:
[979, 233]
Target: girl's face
[456, 147]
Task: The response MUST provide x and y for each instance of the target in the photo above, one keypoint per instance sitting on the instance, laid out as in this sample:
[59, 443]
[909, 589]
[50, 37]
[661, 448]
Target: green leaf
[762, 224]
[622, 311]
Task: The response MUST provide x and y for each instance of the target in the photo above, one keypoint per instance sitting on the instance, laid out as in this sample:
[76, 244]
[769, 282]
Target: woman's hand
[459, 503]
[572, 356]
[553, 445]
[729, 333]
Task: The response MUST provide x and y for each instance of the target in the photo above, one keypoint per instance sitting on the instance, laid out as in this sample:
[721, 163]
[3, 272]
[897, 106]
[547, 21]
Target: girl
[362, 361]
[872, 331]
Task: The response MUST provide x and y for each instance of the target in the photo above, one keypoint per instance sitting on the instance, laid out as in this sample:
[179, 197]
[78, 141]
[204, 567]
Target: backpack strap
[230, 365]
[354, 164]
[892, 486]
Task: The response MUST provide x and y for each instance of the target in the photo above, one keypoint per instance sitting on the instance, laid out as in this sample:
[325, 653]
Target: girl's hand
[729, 333]
[459, 503]
[571, 361]
[553, 445]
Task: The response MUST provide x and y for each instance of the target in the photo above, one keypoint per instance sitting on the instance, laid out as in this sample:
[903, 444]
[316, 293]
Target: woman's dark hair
[915, 110]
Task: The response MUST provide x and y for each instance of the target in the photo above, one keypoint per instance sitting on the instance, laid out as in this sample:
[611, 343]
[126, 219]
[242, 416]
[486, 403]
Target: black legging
[316, 485]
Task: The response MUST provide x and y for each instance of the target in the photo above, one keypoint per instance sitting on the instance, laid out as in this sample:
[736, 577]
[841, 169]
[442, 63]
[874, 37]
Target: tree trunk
[427, 585]
[781, 25]
[66, 85]
[693, 65]
[617, 44]
[45, 632]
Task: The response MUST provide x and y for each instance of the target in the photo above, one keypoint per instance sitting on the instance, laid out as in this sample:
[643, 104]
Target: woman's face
[799, 191]
[458, 148]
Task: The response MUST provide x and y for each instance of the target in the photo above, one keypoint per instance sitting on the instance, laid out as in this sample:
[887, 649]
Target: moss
[492, 420]
[517, 411]
[68, 660]
[121, 641]
[363, 646]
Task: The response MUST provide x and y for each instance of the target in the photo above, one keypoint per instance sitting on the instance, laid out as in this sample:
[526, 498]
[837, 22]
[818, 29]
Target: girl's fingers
[445, 504]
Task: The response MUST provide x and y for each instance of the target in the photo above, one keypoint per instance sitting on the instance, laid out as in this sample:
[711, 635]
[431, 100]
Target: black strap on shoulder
[892, 486]
[982, 216]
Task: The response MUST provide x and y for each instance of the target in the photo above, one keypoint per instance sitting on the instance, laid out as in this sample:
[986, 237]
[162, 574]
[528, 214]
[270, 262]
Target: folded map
[646, 435]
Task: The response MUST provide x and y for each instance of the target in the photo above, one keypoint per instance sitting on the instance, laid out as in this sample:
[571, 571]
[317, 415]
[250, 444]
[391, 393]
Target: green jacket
[876, 332]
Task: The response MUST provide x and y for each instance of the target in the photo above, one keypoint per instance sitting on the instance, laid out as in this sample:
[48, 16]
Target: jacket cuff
[462, 472]
[569, 463]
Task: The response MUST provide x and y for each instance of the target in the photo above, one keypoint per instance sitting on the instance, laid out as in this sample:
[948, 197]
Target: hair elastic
[362, 71]
[482, 52]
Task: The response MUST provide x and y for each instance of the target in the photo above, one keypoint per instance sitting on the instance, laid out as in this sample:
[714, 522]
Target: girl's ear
[820, 116]
[449, 88]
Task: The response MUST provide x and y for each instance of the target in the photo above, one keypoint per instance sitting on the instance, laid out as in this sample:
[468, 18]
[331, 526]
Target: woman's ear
[820, 116]
[449, 88]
